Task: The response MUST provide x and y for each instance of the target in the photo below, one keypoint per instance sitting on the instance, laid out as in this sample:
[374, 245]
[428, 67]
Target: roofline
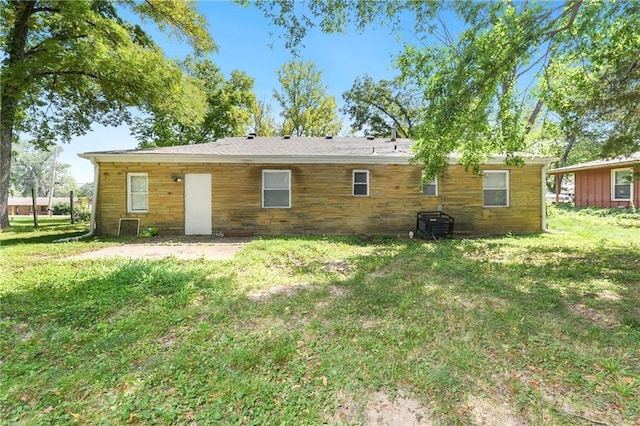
[277, 159]
[273, 159]
[577, 168]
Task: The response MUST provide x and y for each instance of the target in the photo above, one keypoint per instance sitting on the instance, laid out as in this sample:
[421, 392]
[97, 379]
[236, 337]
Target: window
[496, 188]
[137, 193]
[276, 189]
[429, 188]
[621, 184]
[361, 183]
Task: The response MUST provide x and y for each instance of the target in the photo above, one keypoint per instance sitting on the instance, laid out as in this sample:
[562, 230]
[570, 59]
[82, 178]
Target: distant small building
[24, 205]
[609, 183]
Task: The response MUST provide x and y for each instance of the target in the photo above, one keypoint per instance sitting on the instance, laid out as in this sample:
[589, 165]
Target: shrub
[61, 208]
[81, 213]
[149, 232]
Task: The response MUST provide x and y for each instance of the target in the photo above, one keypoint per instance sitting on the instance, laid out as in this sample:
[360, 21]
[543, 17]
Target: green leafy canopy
[307, 109]
[377, 108]
[490, 85]
[229, 108]
[82, 63]
[69, 64]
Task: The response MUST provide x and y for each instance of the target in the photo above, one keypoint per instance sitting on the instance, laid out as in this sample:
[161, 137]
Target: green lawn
[540, 329]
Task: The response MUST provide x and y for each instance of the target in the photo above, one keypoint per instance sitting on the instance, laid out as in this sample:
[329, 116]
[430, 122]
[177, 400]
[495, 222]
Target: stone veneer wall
[321, 199]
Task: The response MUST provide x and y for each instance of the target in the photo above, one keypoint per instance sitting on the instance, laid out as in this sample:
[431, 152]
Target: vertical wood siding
[321, 199]
[593, 189]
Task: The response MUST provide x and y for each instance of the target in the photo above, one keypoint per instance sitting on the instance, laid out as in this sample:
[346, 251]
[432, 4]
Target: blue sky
[243, 37]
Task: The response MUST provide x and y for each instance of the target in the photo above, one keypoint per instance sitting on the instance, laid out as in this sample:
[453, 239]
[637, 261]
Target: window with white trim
[429, 188]
[360, 183]
[276, 189]
[621, 184]
[137, 193]
[496, 188]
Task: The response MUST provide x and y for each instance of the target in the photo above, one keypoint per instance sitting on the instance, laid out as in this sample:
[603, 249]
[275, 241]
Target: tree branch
[572, 18]
[57, 37]
[46, 9]
[551, 35]
[69, 72]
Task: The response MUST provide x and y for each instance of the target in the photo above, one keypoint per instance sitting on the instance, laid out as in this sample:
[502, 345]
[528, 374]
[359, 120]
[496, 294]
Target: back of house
[307, 185]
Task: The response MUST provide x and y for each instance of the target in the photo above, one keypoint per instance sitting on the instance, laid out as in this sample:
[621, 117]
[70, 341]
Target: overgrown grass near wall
[540, 329]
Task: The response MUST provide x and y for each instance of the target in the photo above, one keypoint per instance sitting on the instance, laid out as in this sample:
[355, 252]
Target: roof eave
[572, 169]
[531, 159]
[271, 159]
[138, 157]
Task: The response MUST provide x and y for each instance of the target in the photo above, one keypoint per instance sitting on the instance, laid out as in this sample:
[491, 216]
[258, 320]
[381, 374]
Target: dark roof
[281, 146]
[40, 201]
[598, 164]
[285, 150]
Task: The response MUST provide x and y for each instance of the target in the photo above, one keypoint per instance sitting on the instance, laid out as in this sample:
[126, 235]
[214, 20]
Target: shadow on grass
[536, 281]
[540, 280]
[436, 317]
[604, 278]
[443, 318]
[74, 303]
[47, 232]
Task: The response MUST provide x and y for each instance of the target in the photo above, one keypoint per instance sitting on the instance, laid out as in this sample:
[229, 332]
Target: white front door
[197, 204]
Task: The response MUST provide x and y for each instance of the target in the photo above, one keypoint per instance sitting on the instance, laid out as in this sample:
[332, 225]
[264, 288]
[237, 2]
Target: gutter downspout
[94, 204]
[544, 197]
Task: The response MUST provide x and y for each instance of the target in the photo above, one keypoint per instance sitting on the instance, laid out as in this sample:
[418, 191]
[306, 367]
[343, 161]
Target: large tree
[68, 64]
[230, 104]
[377, 108]
[263, 122]
[593, 86]
[483, 79]
[307, 108]
[35, 168]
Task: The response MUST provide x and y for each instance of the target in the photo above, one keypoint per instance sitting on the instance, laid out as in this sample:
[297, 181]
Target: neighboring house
[605, 183]
[24, 205]
[308, 185]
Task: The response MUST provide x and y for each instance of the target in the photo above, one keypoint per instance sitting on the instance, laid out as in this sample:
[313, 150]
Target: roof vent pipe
[286, 137]
[393, 134]
[329, 137]
[370, 138]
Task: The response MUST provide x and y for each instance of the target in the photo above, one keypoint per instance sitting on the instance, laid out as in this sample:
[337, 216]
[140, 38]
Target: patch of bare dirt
[195, 248]
[492, 413]
[346, 413]
[607, 318]
[339, 267]
[280, 290]
[290, 290]
[382, 410]
[22, 329]
[168, 339]
[402, 410]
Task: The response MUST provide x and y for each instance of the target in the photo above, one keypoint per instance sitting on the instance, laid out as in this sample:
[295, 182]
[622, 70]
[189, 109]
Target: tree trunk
[5, 165]
[572, 139]
[10, 89]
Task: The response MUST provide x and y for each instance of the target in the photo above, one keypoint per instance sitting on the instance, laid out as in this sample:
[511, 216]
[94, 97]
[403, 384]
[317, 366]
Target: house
[609, 183]
[307, 185]
[24, 205]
